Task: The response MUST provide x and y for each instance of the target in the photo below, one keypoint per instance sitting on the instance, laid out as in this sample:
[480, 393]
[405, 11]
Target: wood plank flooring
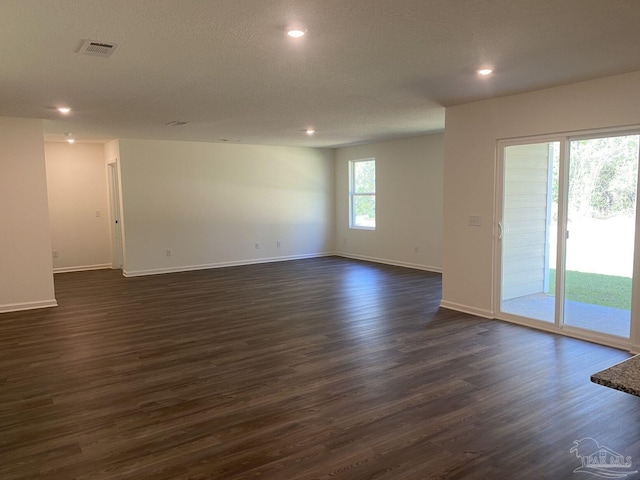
[314, 369]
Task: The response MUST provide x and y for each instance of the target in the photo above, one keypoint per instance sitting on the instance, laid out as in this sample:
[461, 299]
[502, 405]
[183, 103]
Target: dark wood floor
[315, 369]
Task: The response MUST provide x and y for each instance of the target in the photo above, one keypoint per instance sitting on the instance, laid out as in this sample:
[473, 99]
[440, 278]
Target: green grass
[605, 290]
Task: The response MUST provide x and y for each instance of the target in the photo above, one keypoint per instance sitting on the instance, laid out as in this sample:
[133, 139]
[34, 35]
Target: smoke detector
[97, 49]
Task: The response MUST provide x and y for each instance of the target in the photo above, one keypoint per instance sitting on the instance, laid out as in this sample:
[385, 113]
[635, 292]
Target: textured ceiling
[367, 70]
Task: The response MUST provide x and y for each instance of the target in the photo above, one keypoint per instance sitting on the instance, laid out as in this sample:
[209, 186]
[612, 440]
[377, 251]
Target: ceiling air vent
[97, 49]
[176, 123]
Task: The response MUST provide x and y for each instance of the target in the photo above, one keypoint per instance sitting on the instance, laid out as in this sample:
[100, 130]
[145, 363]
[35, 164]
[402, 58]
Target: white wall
[210, 203]
[471, 133]
[26, 278]
[409, 184]
[77, 188]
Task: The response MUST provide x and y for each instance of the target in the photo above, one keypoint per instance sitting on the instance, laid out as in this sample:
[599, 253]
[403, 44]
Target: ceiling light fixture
[68, 137]
[64, 110]
[71, 140]
[485, 71]
[296, 33]
[310, 131]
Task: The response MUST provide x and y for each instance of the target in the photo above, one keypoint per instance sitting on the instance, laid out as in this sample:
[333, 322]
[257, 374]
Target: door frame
[499, 216]
[113, 178]
[557, 326]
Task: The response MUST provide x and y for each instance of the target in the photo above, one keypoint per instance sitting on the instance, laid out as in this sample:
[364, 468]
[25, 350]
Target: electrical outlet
[278, 243]
[169, 252]
[97, 213]
[257, 245]
[416, 249]
[344, 241]
[54, 253]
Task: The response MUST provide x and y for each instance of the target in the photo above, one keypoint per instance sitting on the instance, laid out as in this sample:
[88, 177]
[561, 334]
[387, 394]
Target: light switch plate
[475, 221]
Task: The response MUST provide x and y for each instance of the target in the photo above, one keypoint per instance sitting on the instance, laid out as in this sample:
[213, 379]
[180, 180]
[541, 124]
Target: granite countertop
[625, 376]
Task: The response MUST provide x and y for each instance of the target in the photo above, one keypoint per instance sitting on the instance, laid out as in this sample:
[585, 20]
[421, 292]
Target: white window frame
[353, 195]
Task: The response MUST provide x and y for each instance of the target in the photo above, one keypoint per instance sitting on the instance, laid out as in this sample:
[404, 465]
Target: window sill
[354, 227]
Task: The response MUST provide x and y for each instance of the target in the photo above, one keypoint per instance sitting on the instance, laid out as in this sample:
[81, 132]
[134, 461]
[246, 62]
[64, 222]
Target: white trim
[82, 268]
[569, 331]
[189, 268]
[352, 223]
[115, 214]
[416, 266]
[577, 333]
[458, 307]
[360, 227]
[627, 129]
[17, 307]
[498, 206]
[558, 327]
[595, 337]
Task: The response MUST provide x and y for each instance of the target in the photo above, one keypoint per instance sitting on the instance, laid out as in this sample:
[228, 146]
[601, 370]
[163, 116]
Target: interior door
[116, 223]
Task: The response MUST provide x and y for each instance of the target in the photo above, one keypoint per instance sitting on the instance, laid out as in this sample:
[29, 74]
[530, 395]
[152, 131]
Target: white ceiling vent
[97, 49]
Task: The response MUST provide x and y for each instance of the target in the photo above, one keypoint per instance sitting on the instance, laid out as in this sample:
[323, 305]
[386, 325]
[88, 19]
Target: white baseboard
[416, 266]
[467, 309]
[17, 307]
[82, 268]
[189, 268]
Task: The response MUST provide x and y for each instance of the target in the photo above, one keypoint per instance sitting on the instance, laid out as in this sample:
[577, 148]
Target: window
[362, 194]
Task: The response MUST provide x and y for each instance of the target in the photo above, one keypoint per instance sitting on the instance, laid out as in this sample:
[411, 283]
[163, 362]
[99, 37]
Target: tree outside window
[362, 192]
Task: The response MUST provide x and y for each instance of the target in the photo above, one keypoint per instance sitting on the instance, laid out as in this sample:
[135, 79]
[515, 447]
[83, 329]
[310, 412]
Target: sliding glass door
[528, 229]
[567, 232]
[601, 212]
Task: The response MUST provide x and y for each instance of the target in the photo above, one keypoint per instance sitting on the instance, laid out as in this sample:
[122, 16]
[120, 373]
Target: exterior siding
[525, 220]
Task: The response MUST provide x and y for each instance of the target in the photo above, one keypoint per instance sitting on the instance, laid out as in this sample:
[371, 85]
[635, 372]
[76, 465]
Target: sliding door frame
[558, 326]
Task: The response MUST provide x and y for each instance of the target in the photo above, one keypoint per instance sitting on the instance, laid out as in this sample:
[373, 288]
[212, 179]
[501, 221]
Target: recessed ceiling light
[64, 110]
[310, 131]
[71, 140]
[485, 71]
[296, 32]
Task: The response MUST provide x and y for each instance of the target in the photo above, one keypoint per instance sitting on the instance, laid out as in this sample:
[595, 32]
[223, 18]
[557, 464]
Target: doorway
[116, 223]
[566, 232]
